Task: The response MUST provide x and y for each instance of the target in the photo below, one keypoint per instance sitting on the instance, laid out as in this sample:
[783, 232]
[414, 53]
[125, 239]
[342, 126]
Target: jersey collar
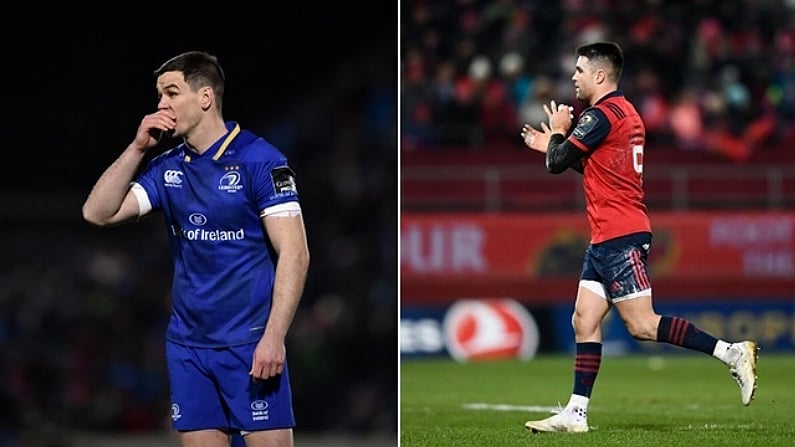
[227, 140]
[224, 142]
[613, 94]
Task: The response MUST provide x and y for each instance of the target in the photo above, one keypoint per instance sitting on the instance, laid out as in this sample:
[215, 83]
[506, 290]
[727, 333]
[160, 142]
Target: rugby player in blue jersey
[239, 249]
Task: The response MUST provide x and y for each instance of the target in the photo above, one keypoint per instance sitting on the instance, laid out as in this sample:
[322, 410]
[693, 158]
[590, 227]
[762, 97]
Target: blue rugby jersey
[223, 261]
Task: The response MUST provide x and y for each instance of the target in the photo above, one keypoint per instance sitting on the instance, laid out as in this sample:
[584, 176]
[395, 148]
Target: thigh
[195, 403]
[589, 311]
[638, 309]
[253, 405]
[591, 305]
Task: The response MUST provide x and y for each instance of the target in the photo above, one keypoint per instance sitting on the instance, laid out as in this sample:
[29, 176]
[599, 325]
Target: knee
[643, 330]
[583, 325]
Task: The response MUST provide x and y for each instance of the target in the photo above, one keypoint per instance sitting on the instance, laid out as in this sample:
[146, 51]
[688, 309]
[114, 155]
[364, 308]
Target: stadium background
[481, 219]
[82, 310]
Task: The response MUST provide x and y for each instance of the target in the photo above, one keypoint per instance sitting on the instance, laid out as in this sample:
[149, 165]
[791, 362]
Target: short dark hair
[605, 52]
[200, 69]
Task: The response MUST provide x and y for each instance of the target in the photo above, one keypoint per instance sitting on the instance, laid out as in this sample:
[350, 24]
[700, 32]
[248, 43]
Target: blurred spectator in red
[498, 118]
[686, 122]
[731, 63]
[652, 105]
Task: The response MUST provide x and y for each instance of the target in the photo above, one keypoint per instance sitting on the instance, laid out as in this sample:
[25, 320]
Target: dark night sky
[78, 79]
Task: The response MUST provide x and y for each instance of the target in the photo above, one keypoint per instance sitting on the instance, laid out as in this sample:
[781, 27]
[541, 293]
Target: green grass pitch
[673, 400]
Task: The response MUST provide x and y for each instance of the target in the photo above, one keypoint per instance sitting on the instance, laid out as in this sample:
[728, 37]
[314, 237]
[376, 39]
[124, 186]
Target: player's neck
[205, 134]
[598, 96]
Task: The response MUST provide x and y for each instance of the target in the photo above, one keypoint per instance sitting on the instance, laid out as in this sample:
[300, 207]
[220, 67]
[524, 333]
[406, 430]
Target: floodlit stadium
[492, 244]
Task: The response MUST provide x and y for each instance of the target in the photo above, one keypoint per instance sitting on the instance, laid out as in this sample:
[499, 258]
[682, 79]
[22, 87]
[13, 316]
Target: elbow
[555, 168]
[90, 217]
[93, 218]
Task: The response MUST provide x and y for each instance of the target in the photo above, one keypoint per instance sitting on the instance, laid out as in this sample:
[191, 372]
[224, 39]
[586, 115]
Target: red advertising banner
[693, 254]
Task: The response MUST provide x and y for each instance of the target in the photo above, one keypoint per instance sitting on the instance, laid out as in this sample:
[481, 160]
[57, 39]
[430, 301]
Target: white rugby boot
[573, 419]
[742, 366]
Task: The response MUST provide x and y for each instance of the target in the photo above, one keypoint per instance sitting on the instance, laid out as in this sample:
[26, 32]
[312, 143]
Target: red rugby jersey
[612, 135]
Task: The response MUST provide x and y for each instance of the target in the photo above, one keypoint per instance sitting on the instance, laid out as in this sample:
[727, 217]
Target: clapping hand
[560, 119]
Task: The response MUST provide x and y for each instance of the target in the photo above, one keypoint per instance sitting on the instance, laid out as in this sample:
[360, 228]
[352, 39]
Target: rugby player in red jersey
[606, 147]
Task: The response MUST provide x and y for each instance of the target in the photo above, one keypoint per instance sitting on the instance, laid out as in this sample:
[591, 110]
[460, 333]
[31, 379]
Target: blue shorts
[211, 389]
[618, 269]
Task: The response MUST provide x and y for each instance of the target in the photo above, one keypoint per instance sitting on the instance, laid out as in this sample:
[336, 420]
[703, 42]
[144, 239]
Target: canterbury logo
[173, 177]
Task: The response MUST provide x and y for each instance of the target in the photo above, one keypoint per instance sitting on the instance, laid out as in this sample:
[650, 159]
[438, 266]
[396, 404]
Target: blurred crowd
[707, 75]
[83, 310]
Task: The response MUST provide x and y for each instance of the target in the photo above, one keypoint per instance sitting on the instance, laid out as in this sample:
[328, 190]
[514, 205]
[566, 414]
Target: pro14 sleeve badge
[586, 123]
[283, 179]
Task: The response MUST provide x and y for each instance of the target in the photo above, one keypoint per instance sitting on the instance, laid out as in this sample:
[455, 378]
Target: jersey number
[637, 158]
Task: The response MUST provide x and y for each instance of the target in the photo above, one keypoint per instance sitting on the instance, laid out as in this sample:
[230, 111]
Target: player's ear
[207, 98]
[600, 75]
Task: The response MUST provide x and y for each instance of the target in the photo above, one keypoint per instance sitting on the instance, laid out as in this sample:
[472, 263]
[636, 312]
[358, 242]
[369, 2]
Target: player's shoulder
[175, 153]
[592, 116]
[616, 106]
[251, 147]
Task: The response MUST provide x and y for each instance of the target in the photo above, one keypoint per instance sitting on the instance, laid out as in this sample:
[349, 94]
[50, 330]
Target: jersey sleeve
[562, 154]
[145, 185]
[274, 185]
[591, 130]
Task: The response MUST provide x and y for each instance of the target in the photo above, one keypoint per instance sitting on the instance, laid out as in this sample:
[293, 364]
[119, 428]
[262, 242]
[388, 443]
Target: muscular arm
[561, 155]
[289, 240]
[110, 201]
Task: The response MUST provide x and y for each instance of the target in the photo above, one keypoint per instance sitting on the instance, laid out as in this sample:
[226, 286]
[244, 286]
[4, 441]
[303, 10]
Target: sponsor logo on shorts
[175, 412]
[259, 410]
